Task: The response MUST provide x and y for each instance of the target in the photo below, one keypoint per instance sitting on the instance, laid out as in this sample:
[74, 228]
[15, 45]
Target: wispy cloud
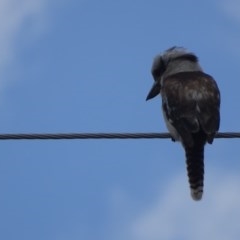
[174, 215]
[13, 15]
[231, 8]
[230, 35]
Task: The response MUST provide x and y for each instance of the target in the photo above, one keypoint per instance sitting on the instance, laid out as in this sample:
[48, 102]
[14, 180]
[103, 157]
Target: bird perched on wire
[190, 105]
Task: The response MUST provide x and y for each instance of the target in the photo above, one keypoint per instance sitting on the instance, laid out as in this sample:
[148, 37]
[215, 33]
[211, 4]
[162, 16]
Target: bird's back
[192, 101]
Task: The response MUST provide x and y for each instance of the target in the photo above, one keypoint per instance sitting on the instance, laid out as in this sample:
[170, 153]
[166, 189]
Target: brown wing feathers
[192, 101]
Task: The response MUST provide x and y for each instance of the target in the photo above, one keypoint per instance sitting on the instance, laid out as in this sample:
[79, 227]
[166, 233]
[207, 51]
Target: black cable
[61, 136]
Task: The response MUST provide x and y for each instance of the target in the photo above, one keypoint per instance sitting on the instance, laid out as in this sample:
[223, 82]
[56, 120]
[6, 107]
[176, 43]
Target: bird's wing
[191, 101]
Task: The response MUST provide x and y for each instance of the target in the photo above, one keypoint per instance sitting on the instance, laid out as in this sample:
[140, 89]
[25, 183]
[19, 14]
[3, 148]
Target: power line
[62, 136]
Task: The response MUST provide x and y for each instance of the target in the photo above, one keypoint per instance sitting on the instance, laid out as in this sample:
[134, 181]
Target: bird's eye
[159, 69]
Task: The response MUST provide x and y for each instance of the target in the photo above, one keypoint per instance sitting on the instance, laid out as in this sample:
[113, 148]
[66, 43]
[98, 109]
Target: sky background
[84, 66]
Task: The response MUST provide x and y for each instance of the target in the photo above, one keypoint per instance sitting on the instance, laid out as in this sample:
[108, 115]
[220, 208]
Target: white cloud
[176, 216]
[230, 35]
[13, 16]
[231, 8]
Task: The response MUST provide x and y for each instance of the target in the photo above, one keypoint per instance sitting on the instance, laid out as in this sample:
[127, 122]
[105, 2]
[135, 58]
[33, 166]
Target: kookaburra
[190, 104]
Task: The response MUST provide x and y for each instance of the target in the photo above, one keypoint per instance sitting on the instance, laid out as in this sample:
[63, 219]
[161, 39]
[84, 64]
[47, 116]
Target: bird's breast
[172, 130]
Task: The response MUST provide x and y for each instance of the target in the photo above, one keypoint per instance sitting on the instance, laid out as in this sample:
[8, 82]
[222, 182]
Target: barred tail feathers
[195, 169]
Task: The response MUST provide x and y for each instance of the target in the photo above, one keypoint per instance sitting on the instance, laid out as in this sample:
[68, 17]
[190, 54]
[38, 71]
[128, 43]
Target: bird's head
[173, 60]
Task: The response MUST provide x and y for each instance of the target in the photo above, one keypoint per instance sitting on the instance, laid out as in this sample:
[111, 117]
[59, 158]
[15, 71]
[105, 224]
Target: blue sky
[84, 66]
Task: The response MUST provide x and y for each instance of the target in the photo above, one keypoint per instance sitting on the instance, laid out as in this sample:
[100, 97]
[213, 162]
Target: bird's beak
[155, 90]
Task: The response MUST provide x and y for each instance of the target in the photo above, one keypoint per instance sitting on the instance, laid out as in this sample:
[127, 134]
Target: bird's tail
[195, 167]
